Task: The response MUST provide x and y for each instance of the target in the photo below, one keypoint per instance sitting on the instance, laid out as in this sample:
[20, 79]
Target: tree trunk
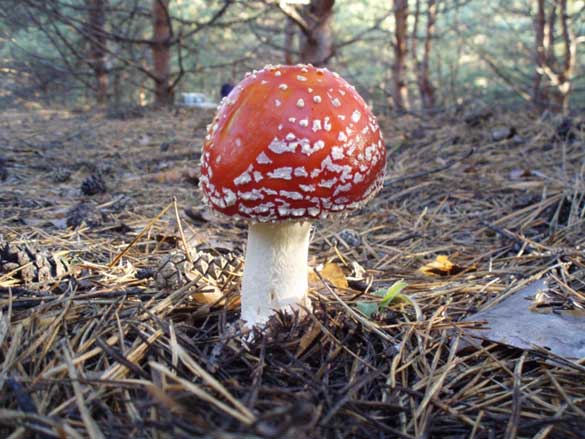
[569, 58]
[551, 85]
[96, 10]
[399, 88]
[540, 55]
[425, 86]
[549, 34]
[317, 39]
[289, 40]
[161, 53]
[117, 86]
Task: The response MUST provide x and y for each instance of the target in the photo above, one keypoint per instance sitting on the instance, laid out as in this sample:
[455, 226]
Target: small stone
[84, 213]
[503, 133]
[477, 114]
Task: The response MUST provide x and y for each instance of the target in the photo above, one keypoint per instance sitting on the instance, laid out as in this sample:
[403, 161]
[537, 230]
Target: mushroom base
[275, 271]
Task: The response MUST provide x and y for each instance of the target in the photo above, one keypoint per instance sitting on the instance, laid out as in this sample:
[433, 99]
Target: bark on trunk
[161, 53]
[540, 55]
[317, 39]
[425, 86]
[96, 10]
[399, 88]
[551, 87]
[289, 40]
[569, 58]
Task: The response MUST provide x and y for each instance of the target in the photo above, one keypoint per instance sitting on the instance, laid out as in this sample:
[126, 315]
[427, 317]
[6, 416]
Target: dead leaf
[525, 185]
[519, 174]
[307, 339]
[211, 295]
[332, 273]
[59, 223]
[206, 298]
[441, 266]
[201, 215]
[172, 175]
[573, 312]
[513, 323]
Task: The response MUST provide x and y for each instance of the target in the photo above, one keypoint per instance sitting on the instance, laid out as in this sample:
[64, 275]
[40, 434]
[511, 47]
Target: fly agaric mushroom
[289, 145]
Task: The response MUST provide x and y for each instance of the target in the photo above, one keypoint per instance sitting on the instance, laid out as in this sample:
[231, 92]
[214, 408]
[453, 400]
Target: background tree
[162, 33]
[399, 87]
[68, 26]
[289, 41]
[317, 33]
[96, 11]
[422, 66]
[421, 54]
[553, 77]
[314, 21]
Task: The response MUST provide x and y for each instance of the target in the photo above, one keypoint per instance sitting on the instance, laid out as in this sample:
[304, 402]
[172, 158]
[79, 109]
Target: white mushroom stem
[275, 271]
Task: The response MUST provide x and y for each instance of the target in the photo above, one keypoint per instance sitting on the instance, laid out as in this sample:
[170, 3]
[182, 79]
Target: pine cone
[351, 237]
[174, 270]
[61, 175]
[37, 265]
[219, 269]
[94, 184]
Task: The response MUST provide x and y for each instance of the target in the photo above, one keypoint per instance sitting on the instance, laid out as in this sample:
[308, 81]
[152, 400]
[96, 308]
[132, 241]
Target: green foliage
[388, 296]
[471, 38]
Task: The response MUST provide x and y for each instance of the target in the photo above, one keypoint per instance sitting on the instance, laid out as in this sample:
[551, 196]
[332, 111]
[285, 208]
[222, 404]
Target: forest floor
[103, 335]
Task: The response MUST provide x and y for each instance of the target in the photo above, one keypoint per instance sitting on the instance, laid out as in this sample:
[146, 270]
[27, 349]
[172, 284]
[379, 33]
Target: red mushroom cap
[291, 142]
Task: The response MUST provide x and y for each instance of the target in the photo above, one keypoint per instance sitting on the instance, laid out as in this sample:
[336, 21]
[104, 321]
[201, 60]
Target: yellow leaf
[332, 273]
[213, 296]
[441, 266]
[206, 298]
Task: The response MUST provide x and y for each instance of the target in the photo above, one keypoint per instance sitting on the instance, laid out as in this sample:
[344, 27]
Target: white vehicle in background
[196, 100]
